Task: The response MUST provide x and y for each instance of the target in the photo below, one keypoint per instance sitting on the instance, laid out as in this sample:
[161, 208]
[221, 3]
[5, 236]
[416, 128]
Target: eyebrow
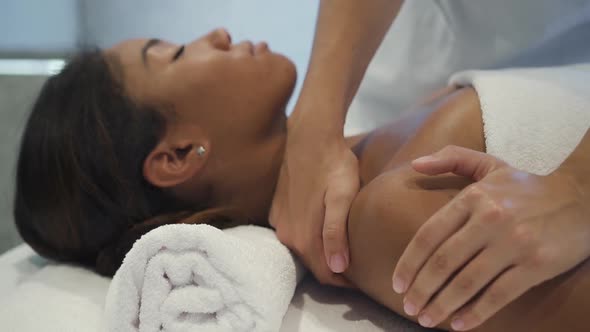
[146, 47]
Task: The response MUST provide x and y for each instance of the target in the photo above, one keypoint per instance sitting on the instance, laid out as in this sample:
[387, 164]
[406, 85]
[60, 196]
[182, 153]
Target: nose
[220, 39]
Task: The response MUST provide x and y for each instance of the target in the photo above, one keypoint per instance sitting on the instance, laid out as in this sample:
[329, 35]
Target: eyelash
[178, 53]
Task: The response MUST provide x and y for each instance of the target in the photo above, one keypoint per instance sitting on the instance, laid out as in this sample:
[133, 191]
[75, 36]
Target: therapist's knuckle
[332, 232]
[465, 284]
[523, 236]
[424, 240]
[404, 269]
[495, 297]
[440, 262]
[494, 213]
[417, 295]
[473, 193]
[540, 258]
[437, 311]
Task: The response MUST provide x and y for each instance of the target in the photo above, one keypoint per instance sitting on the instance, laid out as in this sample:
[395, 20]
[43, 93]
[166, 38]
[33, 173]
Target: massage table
[40, 295]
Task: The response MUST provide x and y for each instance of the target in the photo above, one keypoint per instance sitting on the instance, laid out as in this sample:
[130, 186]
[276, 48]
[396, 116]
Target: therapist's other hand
[318, 181]
[504, 234]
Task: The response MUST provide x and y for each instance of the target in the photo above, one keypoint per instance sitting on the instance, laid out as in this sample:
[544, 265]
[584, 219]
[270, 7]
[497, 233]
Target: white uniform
[432, 39]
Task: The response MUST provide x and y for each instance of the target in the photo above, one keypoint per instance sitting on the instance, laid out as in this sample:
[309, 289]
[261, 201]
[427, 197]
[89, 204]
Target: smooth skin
[318, 183]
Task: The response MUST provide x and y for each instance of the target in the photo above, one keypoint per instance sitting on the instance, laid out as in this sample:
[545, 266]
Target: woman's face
[238, 90]
[227, 97]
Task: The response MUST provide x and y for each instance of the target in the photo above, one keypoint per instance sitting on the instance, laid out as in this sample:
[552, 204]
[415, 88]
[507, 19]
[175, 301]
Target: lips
[260, 48]
[253, 49]
[249, 47]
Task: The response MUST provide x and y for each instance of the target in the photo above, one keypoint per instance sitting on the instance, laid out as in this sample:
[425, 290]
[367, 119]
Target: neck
[253, 188]
[251, 199]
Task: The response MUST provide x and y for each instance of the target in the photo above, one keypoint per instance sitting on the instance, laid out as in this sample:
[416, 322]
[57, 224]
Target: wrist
[315, 116]
[316, 126]
[313, 131]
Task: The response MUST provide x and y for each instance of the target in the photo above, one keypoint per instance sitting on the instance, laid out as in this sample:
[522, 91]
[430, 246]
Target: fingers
[464, 286]
[510, 285]
[338, 201]
[446, 260]
[458, 160]
[429, 237]
[316, 262]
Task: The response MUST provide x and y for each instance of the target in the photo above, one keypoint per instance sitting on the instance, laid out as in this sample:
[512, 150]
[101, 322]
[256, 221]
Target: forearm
[347, 36]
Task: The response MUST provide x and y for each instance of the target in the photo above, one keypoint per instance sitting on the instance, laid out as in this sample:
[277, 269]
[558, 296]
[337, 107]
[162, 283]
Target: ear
[173, 162]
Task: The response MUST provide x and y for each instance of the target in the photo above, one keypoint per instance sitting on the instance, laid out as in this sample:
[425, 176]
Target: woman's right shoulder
[384, 217]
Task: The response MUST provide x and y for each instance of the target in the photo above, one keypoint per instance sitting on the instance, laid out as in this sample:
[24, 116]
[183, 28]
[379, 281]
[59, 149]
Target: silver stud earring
[201, 150]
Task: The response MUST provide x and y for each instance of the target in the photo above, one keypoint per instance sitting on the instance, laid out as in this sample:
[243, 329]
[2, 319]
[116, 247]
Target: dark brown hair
[80, 192]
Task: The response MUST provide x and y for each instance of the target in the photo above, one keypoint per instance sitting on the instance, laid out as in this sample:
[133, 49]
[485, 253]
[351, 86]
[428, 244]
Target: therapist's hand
[510, 229]
[318, 181]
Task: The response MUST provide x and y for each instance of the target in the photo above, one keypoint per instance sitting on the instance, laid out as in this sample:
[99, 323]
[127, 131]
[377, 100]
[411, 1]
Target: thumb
[458, 160]
[335, 234]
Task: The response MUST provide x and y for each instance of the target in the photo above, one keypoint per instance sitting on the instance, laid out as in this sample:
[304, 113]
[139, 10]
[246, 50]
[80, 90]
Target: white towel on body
[533, 118]
[199, 278]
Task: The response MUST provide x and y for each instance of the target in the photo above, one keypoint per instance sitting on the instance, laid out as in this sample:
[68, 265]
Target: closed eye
[178, 53]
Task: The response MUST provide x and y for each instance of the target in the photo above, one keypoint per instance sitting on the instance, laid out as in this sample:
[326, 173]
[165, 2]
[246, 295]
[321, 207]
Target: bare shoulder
[396, 201]
[388, 212]
[384, 217]
[452, 116]
[454, 120]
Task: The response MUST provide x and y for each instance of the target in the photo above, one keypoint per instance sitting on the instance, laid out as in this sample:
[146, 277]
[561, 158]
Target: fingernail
[457, 324]
[399, 286]
[410, 309]
[425, 159]
[337, 263]
[425, 320]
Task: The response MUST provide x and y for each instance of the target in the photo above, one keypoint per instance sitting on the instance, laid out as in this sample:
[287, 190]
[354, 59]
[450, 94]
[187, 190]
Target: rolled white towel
[533, 117]
[198, 278]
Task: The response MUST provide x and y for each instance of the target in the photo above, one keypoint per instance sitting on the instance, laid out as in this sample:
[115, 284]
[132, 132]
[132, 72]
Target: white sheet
[314, 308]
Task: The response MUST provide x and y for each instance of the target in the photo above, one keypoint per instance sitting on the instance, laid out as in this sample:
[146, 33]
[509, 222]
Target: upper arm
[387, 213]
[383, 219]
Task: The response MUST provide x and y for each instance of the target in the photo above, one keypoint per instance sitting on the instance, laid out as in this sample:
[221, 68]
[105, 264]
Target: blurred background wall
[38, 28]
[41, 30]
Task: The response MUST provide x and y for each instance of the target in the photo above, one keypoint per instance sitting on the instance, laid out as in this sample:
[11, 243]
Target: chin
[291, 72]
[290, 77]
[288, 70]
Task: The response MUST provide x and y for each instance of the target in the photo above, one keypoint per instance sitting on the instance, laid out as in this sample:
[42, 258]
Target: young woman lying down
[149, 133]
